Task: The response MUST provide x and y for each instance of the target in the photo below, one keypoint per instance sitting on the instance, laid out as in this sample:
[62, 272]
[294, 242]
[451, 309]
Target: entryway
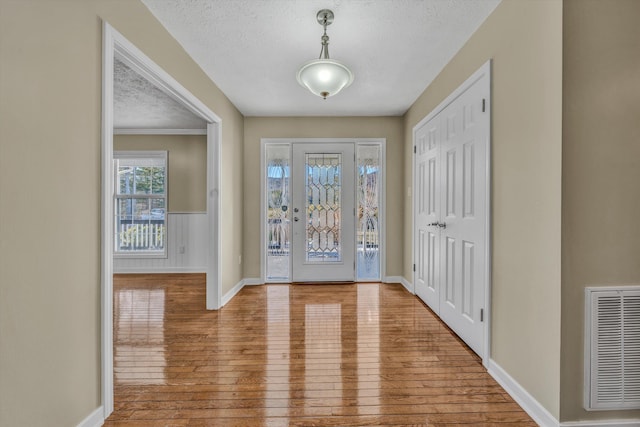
[451, 210]
[322, 210]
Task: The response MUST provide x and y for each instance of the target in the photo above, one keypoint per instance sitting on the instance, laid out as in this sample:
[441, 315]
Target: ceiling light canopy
[324, 77]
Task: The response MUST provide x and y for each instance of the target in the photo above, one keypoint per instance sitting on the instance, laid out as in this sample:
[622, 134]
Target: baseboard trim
[232, 293]
[399, 279]
[147, 270]
[530, 405]
[603, 423]
[94, 419]
[252, 281]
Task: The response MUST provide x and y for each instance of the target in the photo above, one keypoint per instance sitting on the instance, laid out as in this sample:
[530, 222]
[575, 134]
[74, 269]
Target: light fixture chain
[324, 50]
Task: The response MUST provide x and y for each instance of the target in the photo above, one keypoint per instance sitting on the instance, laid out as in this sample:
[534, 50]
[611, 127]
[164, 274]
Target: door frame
[484, 70]
[114, 43]
[381, 210]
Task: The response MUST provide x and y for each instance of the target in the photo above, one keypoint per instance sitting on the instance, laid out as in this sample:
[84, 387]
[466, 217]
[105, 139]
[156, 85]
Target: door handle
[296, 219]
[437, 224]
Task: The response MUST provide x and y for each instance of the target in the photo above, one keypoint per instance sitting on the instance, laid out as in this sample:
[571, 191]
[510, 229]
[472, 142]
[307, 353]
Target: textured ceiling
[252, 49]
[138, 104]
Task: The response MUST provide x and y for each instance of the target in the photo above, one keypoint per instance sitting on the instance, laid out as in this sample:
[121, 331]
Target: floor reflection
[139, 336]
[292, 355]
[368, 361]
[323, 349]
[278, 345]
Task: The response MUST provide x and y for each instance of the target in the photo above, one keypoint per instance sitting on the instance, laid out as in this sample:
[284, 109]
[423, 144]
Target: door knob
[296, 219]
[437, 224]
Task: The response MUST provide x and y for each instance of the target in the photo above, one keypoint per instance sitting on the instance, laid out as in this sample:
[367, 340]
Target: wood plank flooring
[293, 355]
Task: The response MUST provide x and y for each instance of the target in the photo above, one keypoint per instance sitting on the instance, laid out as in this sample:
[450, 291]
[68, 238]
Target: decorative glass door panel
[368, 189]
[278, 212]
[323, 212]
[323, 207]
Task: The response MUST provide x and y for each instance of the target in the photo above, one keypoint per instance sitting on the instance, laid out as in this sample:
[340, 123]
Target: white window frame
[141, 155]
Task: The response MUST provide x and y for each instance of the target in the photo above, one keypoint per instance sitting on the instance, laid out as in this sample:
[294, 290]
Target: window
[278, 221]
[368, 190]
[140, 203]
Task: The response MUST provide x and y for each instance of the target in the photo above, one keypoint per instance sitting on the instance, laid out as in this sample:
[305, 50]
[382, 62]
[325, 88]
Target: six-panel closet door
[450, 212]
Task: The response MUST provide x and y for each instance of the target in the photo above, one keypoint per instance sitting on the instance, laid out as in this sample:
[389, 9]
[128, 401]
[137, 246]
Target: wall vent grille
[612, 348]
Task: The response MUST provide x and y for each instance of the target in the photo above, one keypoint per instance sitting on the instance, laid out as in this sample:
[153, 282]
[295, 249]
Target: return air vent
[612, 348]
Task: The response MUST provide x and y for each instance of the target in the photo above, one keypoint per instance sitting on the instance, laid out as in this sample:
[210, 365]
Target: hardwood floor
[293, 355]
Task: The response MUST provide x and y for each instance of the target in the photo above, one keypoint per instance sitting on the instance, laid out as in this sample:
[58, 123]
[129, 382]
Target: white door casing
[323, 212]
[451, 226]
[114, 43]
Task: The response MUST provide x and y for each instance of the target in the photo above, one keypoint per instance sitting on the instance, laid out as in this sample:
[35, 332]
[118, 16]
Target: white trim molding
[160, 270]
[399, 279]
[538, 412]
[238, 287]
[602, 423]
[94, 419]
[148, 131]
[115, 44]
[232, 293]
[522, 397]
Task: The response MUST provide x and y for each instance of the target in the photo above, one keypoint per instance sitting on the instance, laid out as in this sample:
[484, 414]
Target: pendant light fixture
[324, 77]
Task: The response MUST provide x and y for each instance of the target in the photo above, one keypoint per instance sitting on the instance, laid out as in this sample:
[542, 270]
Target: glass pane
[368, 231]
[140, 225]
[140, 175]
[157, 210]
[141, 209]
[323, 207]
[278, 198]
[142, 180]
[125, 179]
[124, 210]
[157, 180]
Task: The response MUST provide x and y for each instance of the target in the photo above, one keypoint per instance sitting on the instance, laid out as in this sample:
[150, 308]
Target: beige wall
[524, 39]
[323, 127]
[50, 148]
[187, 158]
[50, 95]
[600, 172]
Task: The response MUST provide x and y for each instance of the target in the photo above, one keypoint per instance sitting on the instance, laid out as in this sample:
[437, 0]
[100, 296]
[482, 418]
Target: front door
[323, 212]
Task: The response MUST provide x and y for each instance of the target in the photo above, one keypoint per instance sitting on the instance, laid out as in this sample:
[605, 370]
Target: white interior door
[323, 245]
[451, 211]
[427, 210]
[463, 216]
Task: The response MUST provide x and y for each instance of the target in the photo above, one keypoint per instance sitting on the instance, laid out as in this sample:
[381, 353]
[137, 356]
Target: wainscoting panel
[186, 248]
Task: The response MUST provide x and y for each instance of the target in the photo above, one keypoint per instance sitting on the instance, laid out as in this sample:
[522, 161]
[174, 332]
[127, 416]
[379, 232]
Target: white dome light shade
[324, 77]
